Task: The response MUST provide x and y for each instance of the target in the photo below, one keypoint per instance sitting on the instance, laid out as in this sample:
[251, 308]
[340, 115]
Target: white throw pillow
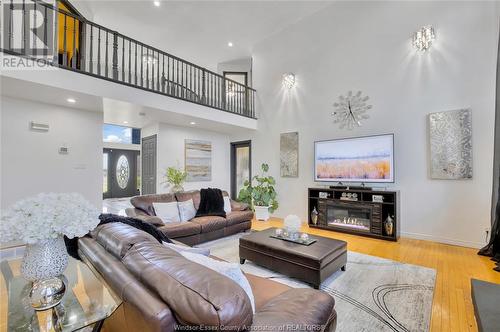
[180, 248]
[186, 210]
[227, 204]
[230, 270]
[167, 212]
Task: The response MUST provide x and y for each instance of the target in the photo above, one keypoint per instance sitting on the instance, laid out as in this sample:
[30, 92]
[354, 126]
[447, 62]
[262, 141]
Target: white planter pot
[262, 212]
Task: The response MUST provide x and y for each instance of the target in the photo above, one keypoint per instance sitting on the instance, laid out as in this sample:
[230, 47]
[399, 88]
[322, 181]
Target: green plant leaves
[261, 193]
[175, 176]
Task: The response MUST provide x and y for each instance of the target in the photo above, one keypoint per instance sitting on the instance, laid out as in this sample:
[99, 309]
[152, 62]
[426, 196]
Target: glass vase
[43, 263]
[177, 188]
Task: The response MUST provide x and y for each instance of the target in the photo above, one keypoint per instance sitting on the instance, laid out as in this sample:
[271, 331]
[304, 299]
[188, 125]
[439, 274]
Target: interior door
[120, 167]
[241, 165]
[148, 177]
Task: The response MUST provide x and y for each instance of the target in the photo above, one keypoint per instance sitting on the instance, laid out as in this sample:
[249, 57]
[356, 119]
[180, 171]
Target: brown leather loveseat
[163, 291]
[197, 230]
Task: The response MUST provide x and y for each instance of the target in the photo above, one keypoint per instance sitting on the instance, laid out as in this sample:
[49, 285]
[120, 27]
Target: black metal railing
[86, 47]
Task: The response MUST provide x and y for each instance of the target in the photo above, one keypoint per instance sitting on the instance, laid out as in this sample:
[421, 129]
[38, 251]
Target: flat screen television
[360, 159]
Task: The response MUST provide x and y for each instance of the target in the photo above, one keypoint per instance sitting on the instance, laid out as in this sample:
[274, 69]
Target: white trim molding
[461, 243]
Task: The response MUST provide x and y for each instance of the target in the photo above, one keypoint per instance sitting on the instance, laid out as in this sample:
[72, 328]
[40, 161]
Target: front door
[120, 168]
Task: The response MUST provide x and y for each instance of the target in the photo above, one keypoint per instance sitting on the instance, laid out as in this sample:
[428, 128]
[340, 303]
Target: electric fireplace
[350, 216]
[373, 213]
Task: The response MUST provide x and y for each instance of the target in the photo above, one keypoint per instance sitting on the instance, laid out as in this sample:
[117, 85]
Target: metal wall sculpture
[450, 136]
[289, 155]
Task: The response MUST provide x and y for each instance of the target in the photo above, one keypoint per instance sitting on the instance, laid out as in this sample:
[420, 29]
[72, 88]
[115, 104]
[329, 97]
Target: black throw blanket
[72, 244]
[211, 203]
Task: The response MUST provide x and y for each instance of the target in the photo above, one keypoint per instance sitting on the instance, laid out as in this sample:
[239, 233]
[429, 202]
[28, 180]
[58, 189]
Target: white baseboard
[461, 243]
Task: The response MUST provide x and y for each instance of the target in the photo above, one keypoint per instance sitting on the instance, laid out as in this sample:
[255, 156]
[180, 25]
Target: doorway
[149, 165]
[236, 97]
[241, 165]
[120, 173]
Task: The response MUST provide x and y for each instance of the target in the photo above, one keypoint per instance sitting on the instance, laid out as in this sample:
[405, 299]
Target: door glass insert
[122, 171]
[139, 173]
[242, 167]
[105, 173]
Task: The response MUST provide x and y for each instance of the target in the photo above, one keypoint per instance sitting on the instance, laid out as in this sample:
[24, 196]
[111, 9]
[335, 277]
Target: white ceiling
[199, 31]
[114, 111]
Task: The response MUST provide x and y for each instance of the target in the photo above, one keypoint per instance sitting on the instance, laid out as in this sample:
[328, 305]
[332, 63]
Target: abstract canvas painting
[198, 160]
[357, 159]
[289, 155]
[451, 144]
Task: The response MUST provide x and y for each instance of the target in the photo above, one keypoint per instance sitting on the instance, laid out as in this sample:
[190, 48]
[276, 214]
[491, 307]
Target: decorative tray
[298, 241]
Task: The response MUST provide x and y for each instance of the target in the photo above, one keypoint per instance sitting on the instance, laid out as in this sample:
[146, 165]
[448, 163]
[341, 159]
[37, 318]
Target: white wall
[366, 46]
[110, 94]
[31, 162]
[237, 65]
[171, 153]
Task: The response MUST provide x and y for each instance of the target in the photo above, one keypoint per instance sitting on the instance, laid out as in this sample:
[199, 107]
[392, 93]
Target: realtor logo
[27, 30]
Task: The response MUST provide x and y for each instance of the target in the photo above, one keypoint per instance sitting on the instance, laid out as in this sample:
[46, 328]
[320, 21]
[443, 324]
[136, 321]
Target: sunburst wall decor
[350, 110]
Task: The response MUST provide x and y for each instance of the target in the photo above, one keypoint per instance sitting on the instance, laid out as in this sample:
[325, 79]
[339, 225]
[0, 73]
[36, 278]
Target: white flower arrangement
[47, 215]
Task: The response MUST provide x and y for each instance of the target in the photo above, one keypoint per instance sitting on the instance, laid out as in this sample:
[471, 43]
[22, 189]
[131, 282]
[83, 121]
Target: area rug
[373, 294]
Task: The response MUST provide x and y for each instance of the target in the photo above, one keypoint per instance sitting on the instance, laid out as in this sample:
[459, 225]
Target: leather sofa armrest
[153, 220]
[141, 215]
[133, 212]
[239, 206]
[143, 309]
[300, 309]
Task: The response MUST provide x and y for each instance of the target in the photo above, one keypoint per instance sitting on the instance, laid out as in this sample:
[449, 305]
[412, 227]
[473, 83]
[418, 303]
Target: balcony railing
[74, 43]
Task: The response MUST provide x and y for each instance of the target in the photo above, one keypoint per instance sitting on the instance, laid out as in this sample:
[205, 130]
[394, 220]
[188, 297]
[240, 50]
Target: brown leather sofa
[163, 291]
[197, 230]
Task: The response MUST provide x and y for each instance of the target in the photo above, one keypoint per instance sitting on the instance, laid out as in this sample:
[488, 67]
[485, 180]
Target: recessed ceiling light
[156, 3]
[192, 123]
[71, 100]
[125, 122]
[230, 44]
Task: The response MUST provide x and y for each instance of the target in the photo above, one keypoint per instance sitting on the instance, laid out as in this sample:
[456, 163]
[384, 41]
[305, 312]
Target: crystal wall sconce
[423, 38]
[288, 80]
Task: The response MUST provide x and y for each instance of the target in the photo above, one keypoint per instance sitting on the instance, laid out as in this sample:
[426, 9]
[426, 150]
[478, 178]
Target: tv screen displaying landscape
[360, 159]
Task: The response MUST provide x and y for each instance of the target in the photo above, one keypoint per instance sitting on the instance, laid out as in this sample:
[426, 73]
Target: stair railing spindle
[91, 61]
[73, 57]
[99, 51]
[106, 55]
[129, 61]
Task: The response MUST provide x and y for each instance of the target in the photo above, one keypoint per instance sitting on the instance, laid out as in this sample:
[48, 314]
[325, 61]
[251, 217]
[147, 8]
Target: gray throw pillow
[186, 210]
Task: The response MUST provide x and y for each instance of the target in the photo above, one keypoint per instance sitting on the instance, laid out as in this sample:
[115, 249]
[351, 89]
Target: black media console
[355, 211]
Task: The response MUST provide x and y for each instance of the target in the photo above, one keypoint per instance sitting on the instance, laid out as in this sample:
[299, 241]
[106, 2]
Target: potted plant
[175, 177]
[260, 194]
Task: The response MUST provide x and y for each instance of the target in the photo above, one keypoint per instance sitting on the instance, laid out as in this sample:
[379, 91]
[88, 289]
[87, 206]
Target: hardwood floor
[452, 308]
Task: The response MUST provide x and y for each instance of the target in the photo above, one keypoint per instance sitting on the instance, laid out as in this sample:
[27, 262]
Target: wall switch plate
[63, 150]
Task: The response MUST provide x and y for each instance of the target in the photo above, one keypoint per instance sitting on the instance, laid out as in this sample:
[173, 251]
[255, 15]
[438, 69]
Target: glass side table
[86, 303]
